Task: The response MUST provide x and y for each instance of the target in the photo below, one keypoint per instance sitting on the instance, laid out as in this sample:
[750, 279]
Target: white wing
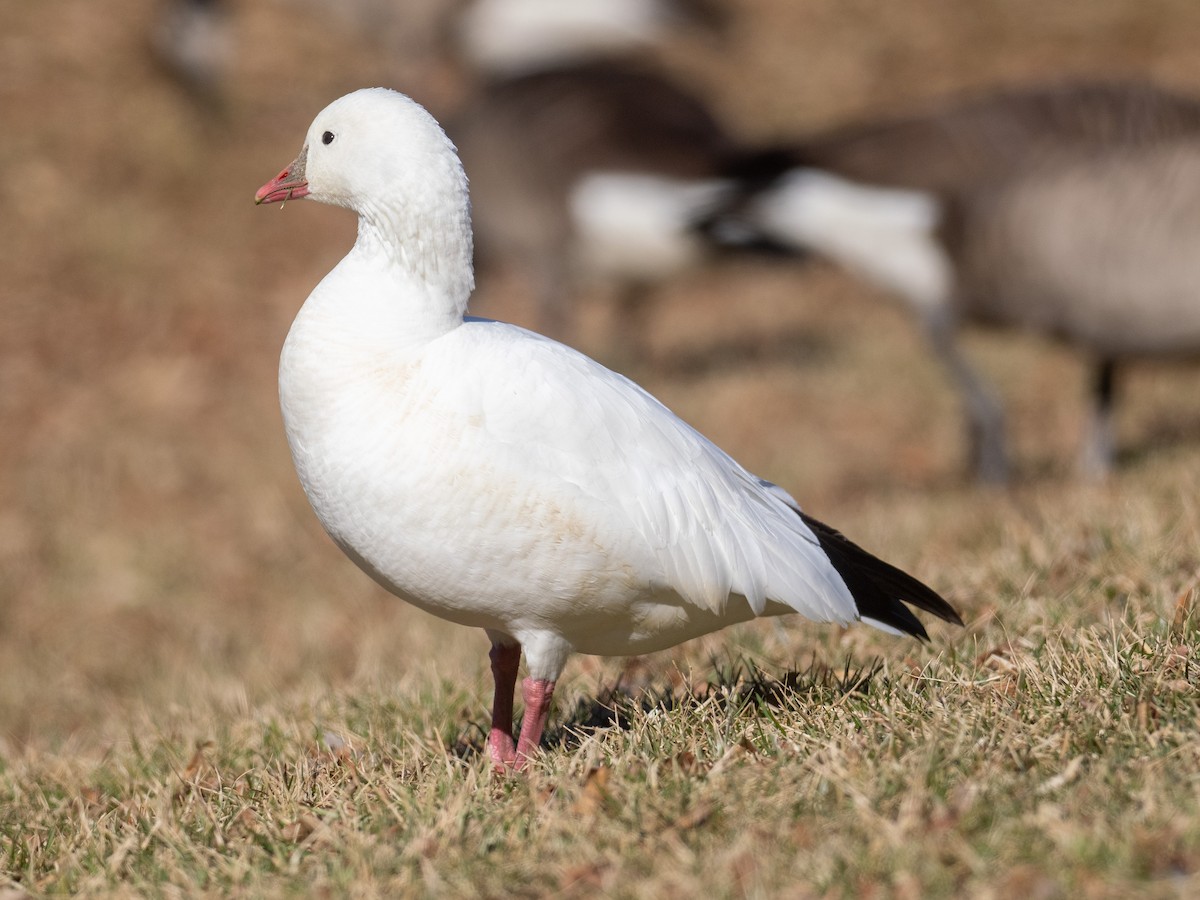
[713, 528]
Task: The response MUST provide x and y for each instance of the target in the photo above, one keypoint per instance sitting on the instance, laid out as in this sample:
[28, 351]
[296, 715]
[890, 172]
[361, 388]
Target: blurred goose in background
[586, 161]
[509, 38]
[1071, 210]
[596, 171]
[504, 481]
[194, 40]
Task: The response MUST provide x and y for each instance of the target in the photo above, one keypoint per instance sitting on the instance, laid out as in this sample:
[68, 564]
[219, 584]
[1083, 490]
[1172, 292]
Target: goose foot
[500, 743]
[538, 692]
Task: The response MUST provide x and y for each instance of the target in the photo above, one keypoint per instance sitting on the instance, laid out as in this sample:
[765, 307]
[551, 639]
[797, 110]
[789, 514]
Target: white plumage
[502, 480]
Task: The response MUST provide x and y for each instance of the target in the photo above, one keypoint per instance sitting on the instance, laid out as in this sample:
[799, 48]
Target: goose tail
[729, 225]
[880, 590]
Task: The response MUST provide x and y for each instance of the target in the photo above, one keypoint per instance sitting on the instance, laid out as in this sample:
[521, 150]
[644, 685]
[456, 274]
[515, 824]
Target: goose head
[379, 153]
[373, 143]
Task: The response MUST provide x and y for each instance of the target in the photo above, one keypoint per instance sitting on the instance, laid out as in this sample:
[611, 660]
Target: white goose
[502, 480]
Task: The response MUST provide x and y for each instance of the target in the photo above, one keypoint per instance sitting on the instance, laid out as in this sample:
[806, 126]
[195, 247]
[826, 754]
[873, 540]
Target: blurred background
[155, 548]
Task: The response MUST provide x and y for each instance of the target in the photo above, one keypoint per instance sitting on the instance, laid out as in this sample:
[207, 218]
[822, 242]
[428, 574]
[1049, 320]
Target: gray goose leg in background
[985, 415]
[1099, 439]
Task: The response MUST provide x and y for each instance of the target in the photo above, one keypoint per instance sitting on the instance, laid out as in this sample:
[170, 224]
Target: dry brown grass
[198, 694]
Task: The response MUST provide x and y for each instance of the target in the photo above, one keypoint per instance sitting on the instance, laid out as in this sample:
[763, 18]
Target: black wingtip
[880, 590]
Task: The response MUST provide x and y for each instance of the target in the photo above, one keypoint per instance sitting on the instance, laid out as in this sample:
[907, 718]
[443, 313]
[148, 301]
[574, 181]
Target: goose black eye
[327, 137]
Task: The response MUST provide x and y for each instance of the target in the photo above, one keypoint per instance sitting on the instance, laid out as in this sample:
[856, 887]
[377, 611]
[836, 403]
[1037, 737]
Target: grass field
[200, 695]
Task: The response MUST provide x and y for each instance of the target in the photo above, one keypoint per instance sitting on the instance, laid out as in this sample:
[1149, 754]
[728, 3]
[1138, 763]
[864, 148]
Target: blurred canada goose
[504, 481]
[1072, 210]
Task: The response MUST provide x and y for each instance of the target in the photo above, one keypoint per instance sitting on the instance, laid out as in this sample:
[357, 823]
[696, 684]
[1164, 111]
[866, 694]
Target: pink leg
[538, 693]
[505, 660]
